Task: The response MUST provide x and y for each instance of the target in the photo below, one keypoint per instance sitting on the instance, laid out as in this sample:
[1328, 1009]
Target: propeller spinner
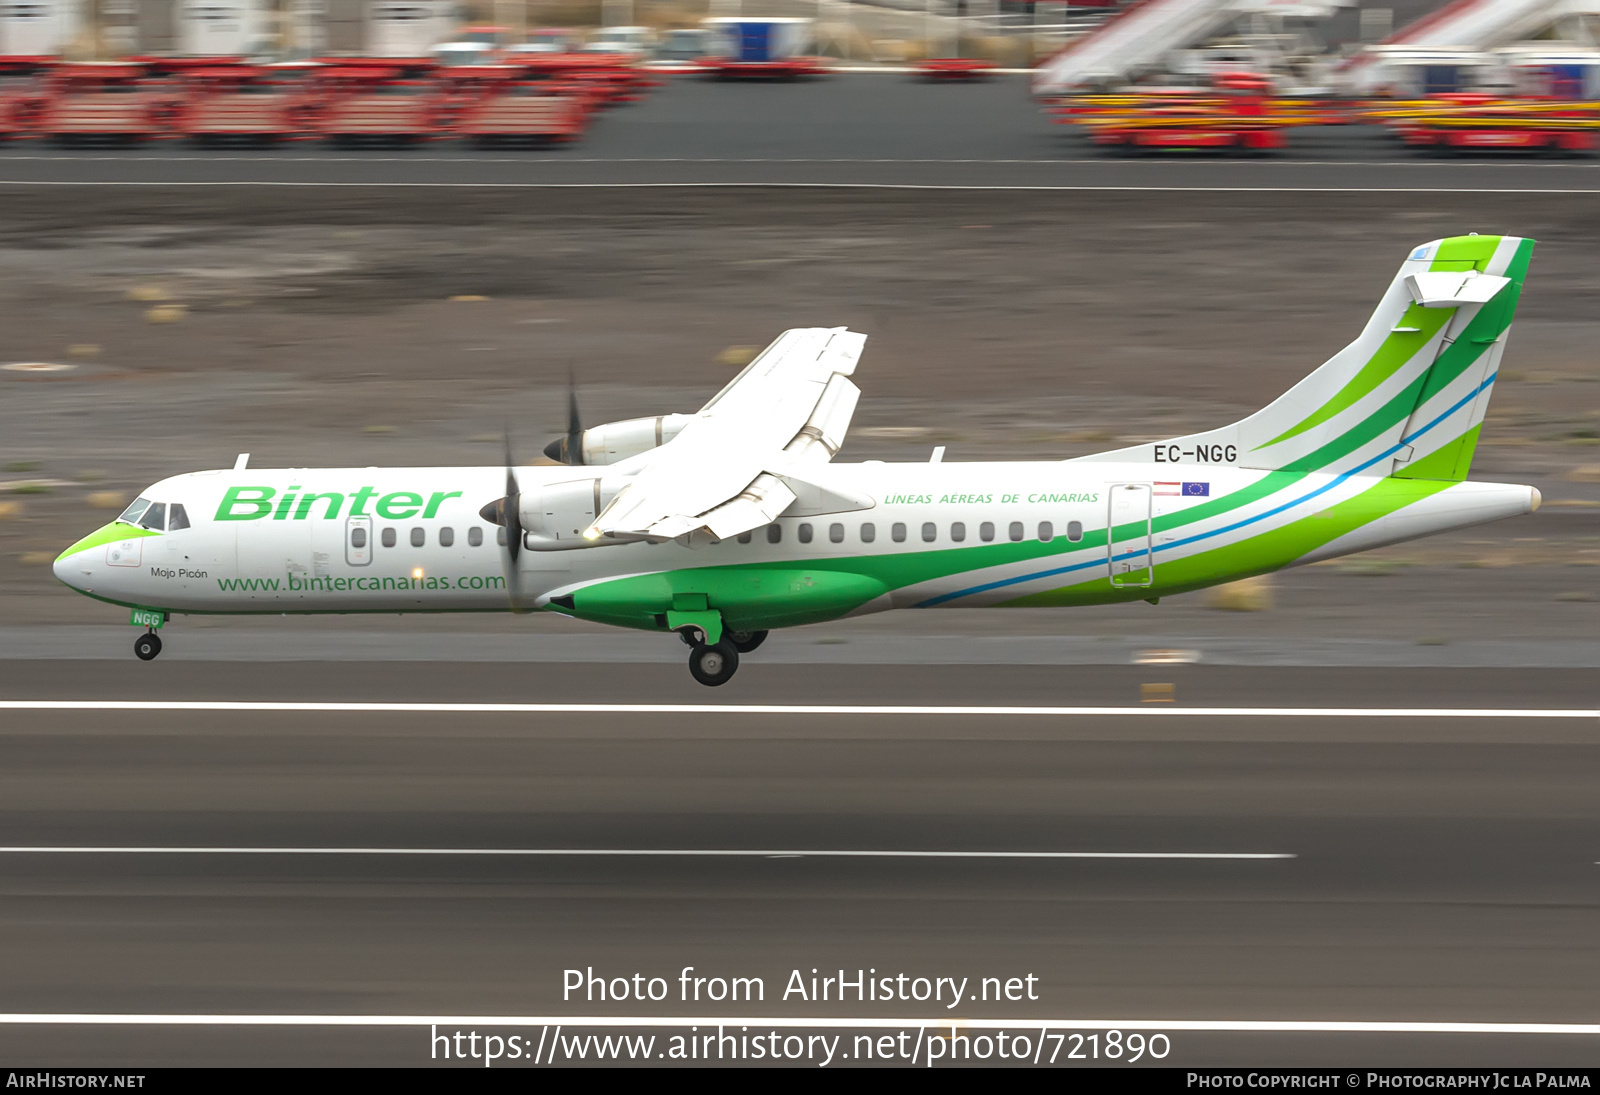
[569, 449]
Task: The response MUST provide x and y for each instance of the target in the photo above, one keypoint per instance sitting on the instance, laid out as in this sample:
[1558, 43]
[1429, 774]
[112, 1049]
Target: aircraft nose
[64, 570]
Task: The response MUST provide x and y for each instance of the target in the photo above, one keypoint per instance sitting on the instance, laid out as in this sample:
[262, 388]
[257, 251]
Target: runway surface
[853, 130]
[114, 642]
[1432, 869]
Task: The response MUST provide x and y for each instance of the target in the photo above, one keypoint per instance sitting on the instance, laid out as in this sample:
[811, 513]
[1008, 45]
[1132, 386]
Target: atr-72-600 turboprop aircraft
[726, 523]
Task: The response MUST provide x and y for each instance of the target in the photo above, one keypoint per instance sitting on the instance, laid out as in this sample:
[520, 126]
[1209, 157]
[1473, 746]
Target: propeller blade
[511, 521]
[569, 448]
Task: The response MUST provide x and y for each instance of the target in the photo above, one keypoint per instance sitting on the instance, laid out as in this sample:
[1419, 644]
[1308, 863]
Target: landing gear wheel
[714, 665]
[692, 636]
[147, 646]
[745, 641]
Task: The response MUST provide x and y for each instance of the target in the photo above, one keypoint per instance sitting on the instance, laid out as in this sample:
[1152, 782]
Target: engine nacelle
[616, 441]
[555, 516]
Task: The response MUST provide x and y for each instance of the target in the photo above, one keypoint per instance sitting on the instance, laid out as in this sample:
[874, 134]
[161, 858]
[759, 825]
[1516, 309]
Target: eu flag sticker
[1197, 490]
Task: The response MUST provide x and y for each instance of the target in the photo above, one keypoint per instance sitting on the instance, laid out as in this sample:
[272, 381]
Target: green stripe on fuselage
[1267, 551]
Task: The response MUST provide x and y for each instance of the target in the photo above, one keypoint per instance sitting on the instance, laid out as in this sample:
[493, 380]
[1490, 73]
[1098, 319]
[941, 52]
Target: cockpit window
[178, 518]
[155, 516]
[131, 514]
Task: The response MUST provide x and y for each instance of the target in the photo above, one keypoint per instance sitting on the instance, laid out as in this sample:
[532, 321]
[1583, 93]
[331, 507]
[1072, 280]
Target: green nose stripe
[107, 534]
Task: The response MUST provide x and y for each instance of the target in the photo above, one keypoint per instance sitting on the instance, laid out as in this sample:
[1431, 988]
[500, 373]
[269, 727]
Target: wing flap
[794, 390]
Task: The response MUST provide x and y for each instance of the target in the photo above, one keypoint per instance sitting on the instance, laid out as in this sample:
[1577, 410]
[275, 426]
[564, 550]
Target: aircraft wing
[725, 471]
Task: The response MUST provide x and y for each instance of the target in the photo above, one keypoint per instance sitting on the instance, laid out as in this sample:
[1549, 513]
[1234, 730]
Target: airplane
[726, 524]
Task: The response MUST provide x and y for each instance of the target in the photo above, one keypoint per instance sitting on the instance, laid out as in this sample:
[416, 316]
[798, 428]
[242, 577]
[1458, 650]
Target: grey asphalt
[810, 647]
[1444, 868]
[846, 130]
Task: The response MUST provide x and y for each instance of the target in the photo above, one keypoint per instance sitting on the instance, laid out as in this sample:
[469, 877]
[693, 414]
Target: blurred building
[118, 28]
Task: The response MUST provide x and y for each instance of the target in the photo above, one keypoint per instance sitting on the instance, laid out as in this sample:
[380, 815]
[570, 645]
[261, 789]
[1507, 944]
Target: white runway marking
[271, 706]
[786, 1022]
[740, 853]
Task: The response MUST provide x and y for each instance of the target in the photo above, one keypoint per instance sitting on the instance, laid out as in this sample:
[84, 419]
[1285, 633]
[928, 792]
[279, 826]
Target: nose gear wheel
[147, 646]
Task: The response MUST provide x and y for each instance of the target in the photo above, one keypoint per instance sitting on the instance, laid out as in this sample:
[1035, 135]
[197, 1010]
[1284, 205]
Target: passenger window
[836, 533]
[805, 534]
[930, 532]
[1047, 531]
[500, 535]
[418, 537]
[1074, 531]
[958, 531]
[358, 537]
[744, 537]
[155, 516]
[986, 531]
[1015, 531]
[897, 532]
[474, 536]
[388, 537]
[869, 532]
[178, 518]
[447, 537]
[131, 514]
[774, 534]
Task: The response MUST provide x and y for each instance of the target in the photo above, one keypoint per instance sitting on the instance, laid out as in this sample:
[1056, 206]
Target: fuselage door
[358, 541]
[1128, 535]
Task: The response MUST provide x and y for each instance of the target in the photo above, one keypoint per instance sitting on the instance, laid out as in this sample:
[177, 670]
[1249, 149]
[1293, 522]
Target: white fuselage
[412, 539]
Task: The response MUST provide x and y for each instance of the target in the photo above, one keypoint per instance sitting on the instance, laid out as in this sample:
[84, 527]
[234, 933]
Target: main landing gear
[745, 641]
[715, 663]
[147, 646]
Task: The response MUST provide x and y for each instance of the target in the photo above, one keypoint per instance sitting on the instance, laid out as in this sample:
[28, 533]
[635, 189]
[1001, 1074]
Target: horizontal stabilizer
[1447, 290]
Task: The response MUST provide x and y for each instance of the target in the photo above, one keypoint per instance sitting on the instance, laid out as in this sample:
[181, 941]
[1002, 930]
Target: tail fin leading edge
[1407, 397]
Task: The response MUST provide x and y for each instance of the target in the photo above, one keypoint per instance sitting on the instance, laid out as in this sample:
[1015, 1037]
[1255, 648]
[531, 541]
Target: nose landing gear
[147, 646]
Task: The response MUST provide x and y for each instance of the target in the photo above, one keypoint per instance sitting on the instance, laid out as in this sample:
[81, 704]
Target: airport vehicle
[108, 100]
[628, 41]
[724, 524]
[243, 103]
[370, 103]
[1237, 112]
[682, 45]
[1472, 120]
[473, 46]
[955, 68]
[549, 40]
[492, 104]
[767, 48]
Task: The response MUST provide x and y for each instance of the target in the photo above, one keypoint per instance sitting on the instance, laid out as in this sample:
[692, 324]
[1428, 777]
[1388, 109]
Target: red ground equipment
[609, 78]
[955, 68]
[377, 103]
[1238, 112]
[496, 104]
[244, 103]
[1476, 120]
[22, 102]
[107, 101]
